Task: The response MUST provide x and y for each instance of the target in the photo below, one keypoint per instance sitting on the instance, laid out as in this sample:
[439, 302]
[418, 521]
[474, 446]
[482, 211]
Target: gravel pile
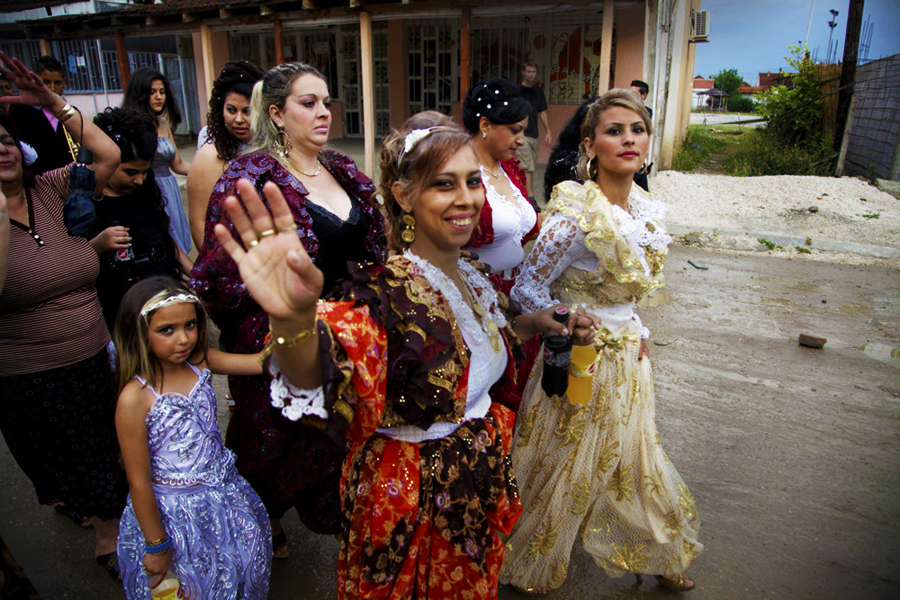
[834, 214]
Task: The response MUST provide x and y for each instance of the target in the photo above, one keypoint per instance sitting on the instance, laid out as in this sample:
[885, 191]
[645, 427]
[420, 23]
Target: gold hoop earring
[408, 234]
[592, 168]
[283, 143]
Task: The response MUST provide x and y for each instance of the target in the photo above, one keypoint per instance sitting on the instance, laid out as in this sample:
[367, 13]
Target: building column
[398, 74]
[368, 89]
[606, 35]
[122, 60]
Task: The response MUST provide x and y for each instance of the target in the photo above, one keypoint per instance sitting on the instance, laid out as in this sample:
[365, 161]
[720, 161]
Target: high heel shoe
[678, 583]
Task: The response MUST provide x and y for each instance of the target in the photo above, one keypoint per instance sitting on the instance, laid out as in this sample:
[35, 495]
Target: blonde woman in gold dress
[597, 470]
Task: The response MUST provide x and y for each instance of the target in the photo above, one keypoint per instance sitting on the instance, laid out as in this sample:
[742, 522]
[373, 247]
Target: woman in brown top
[57, 402]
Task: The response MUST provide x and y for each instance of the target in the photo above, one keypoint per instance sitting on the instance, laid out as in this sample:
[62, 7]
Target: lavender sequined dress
[221, 540]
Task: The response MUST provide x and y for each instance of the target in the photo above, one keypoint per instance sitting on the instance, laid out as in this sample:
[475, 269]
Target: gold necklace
[318, 169]
[487, 324]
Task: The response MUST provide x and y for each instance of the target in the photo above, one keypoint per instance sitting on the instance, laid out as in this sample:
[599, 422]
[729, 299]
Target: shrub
[796, 113]
[762, 153]
[699, 143]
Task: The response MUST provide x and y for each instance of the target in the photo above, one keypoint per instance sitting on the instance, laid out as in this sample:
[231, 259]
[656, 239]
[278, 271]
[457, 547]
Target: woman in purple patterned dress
[339, 223]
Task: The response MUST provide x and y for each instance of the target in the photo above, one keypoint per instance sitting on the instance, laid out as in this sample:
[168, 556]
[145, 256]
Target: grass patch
[871, 215]
[761, 154]
[702, 141]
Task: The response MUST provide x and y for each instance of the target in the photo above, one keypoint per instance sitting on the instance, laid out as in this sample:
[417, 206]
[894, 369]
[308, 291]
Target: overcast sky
[753, 35]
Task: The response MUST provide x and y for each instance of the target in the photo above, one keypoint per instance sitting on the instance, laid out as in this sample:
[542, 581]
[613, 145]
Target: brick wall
[873, 148]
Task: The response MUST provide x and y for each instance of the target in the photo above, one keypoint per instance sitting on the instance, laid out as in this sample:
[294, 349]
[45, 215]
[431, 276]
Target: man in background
[6, 89]
[527, 154]
[642, 89]
[40, 128]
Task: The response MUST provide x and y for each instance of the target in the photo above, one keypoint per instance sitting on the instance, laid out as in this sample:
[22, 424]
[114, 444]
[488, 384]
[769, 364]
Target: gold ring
[574, 309]
[290, 229]
[267, 233]
[253, 243]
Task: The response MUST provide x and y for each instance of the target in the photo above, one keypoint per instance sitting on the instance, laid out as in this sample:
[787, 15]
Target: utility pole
[831, 25]
[848, 70]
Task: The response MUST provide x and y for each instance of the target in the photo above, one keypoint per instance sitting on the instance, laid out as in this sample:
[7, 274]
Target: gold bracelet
[281, 342]
[157, 542]
[65, 113]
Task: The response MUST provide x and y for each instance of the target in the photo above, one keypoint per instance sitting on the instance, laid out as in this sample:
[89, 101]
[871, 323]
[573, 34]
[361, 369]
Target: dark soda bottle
[557, 355]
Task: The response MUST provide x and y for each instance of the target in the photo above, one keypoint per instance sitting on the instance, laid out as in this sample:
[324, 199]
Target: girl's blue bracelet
[159, 547]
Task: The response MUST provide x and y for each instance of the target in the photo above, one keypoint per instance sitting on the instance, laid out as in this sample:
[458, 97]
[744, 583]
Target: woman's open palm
[273, 263]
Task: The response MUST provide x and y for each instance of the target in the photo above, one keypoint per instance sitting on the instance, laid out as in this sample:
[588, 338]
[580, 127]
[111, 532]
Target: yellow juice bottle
[581, 374]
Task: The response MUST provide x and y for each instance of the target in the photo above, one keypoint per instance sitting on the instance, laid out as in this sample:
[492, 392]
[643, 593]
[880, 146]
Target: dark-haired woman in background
[148, 91]
[131, 233]
[227, 133]
[563, 162]
[495, 115]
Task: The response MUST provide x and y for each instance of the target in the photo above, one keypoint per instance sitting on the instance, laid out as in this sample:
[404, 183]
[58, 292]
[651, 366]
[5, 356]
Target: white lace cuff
[645, 333]
[294, 402]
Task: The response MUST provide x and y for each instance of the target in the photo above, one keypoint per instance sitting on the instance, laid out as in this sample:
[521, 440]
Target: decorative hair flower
[414, 137]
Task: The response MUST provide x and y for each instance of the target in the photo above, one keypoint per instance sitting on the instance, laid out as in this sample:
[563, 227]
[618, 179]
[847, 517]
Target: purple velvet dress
[221, 540]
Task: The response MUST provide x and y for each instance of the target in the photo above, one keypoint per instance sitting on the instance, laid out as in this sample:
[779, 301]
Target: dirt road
[792, 454]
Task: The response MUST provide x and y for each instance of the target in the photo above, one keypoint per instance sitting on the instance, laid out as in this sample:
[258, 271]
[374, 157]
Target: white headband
[415, 136]
[177, 299]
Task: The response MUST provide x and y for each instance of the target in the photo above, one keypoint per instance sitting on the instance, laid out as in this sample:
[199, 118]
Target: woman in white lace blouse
[495, 115]
[598, 468]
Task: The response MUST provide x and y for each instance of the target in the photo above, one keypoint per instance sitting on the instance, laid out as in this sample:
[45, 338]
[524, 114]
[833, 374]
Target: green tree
[795, 113]
[728, 80]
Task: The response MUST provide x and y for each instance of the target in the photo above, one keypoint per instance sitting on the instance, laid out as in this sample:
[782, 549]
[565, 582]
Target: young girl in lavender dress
[188, 510]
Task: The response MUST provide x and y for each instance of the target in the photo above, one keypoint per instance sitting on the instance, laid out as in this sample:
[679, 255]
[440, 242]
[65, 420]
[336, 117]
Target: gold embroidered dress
[597, 469]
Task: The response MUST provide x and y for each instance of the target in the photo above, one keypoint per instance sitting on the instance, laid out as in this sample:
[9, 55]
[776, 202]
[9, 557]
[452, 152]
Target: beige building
[384, 59]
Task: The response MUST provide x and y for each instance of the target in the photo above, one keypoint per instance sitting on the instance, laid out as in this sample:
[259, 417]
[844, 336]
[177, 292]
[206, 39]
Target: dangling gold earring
[283, 143]
[408, 234]
[592, 168]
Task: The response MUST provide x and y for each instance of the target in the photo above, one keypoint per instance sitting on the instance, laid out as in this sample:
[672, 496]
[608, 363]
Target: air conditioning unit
[700, 25]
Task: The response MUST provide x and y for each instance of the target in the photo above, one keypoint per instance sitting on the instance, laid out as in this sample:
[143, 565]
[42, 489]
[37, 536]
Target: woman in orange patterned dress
[407, 365]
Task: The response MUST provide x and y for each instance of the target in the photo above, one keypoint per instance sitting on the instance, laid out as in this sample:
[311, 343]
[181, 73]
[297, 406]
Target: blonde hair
[415, 168]
[614, 97]
[273, 90]
[131, 337]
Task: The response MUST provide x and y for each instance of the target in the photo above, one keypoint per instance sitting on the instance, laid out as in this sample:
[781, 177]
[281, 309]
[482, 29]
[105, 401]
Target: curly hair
[237, 77]
[137, 95]
[133, 132]
[614, 97]
[498, 100]
[273, 90]
[416, 167]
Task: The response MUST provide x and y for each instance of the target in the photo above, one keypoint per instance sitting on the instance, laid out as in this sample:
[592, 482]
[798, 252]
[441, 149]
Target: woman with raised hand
[338, 222]
[227, 134]
[602, 245]
[148, 91]
[57, 402]
[405, 364]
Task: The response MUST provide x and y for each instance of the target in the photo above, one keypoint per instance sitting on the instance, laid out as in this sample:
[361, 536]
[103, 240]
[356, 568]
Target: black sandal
[110, 562]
